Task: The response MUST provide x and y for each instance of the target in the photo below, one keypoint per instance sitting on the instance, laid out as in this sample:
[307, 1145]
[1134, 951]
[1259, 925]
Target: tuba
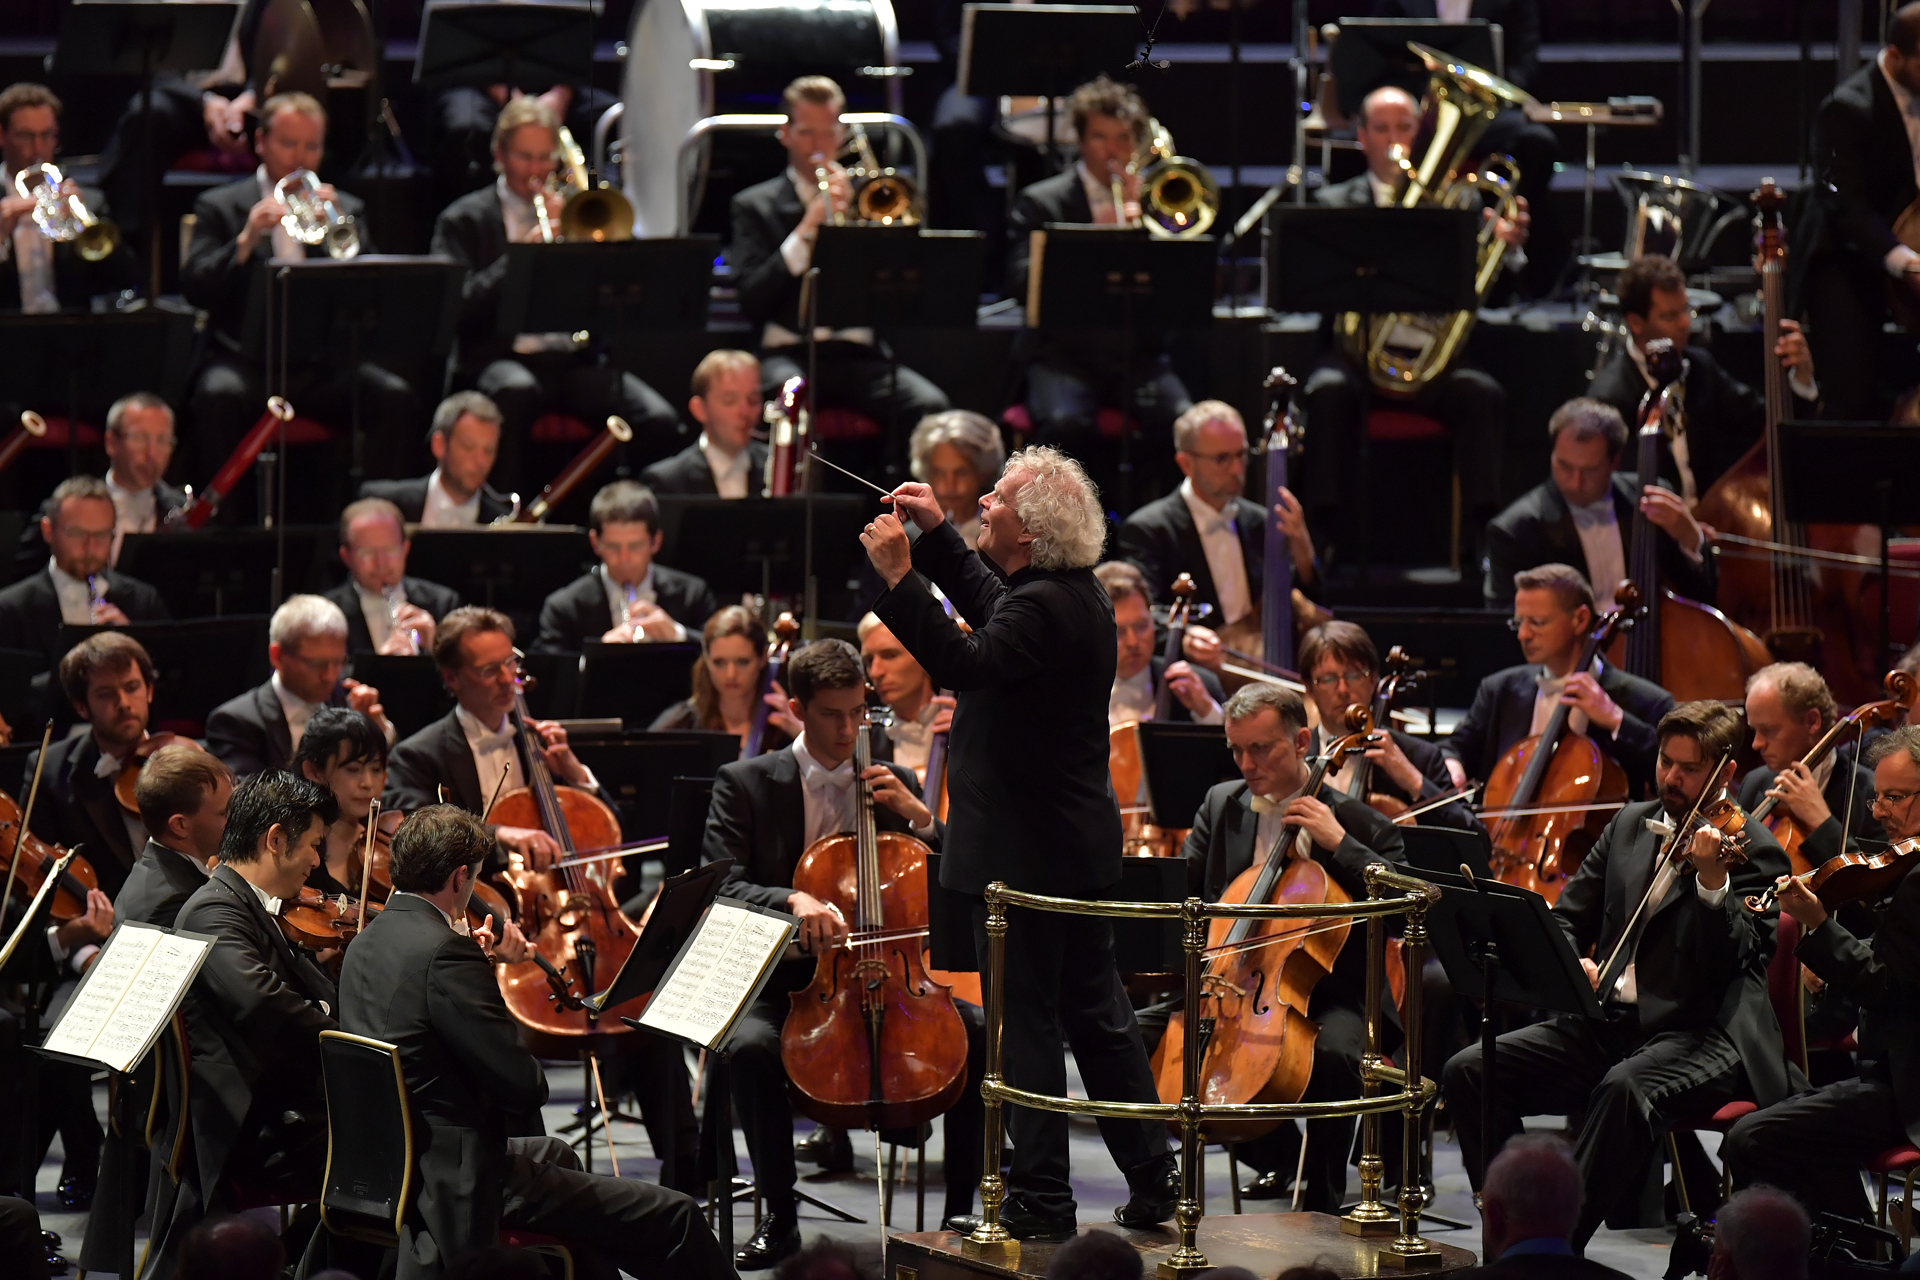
[1402, 353]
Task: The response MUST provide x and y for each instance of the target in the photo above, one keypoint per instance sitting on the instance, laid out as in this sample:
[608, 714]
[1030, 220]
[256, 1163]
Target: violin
[1719, 813]
[873, 1041]
[1260, 976]
[1787, 829]
[786, 629]
[1561, 771]
[1853, 876]
[128, 778]
[373, 866]
[36, 858]
[321, 921]
[1139, 837]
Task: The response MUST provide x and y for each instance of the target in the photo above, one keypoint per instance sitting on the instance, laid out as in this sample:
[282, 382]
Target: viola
[1260, 976]
[128, 778]
[1140, 838]
[1561, 771]
[786, 629]
[323, 922]
[1853, 876]
[1892, 710]
[36, 859]
[873, 1041]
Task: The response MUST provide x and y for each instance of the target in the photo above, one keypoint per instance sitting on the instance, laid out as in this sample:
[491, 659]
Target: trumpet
[1179, 198]
[599, 214]
[63, 215]
[311, 220]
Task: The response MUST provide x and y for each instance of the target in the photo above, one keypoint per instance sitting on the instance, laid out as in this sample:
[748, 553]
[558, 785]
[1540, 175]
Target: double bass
[1689, 648]
[1139, 837]
[1398, 676]
[1542, 802]
[785, 630]
[873, 1041]
[1260, 977]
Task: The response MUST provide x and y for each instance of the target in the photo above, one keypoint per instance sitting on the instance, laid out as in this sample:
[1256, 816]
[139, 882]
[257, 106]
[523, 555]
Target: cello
[1139, 837]
[1541, 800]
[873, 1041]
[1689, 648]
[1260, 977]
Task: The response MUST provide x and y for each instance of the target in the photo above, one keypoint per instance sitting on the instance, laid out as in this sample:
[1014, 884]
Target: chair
[1905, 1161]
[1387, 425]
[369, 1183]
[559, 428]
[1108, 423]
[837, 425]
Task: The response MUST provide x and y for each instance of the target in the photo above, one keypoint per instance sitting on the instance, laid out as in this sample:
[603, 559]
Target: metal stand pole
[1408, 1250]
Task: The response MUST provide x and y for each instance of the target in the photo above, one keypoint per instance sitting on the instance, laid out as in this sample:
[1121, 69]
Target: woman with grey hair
[957, 454]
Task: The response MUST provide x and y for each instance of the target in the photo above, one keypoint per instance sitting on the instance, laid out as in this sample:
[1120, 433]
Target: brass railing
[1370, 1217]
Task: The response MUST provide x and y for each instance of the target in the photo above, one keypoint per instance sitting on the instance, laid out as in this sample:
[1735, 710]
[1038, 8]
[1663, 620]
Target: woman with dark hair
[726, 683]
[346, 753]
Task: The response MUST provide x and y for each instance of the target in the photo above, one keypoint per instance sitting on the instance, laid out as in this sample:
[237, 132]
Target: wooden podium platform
[1263, 1243]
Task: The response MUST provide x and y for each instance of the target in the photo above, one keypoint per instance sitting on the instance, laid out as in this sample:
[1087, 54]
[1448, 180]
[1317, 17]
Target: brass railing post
[1370, 1217]
[1409, 1251]
[1186, 1259]
[990, 1240]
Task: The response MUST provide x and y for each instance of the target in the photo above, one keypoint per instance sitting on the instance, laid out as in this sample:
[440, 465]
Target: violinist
[1688, 1027]
[346, 753]
[1552, 613]
[419, 978]
[183, 794]
[473, 747]
[1814, 1145]
[905, 688]
[629, 597]
[1140, 670]
[1236, 828]
[257, 1112]
[751, 820]
[726, 683]
[1789, 708]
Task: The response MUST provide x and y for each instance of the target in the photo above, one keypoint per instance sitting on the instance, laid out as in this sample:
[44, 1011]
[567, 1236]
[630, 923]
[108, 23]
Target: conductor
[1037, 814]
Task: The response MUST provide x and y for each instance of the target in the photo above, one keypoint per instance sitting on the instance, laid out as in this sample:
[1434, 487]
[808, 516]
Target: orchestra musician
[918, 710]
[257, 1112]
[39, 274]
[1688, 1025]
[75, 587]
[532, 373]
[1583, 515]
[346, 753]
[726, 461]
[1724, 416]
[1815, 1145]
[465, 442]
[775, 224]
[957, 454]
[417, 977]
[473, 747]
[387, 609]
[465, 118]
[1069, 378]
[238, 226]
[259, 730]
[764, 815]
[1468, 402]
[1851, 266]
[1036, 809]
[1789, 708]
[630, 597]
[139, 442]
[1552, 613]
[1238, 826]
[1140, 668]
[726, 683]
[183, 793]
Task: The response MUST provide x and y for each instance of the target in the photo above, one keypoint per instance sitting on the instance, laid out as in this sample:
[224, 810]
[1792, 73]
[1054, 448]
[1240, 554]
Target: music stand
[76, 363]
[1499, 943]
[1447, 849]
[1372, 52]
[898, 277]
[646, 285]
[760, 544]
[213, 573]
[687, 808]
[411, 689]
[529, 46]
[638, 774]
[198, 664]
[508, 568]
[1048, 50]
[636, 681]
[1851, 473]
[1181, 762]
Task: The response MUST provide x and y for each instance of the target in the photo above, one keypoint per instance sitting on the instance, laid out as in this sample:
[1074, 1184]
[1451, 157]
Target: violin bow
[33, 908]
[1683, 828]
[26, 815]
[366, 860]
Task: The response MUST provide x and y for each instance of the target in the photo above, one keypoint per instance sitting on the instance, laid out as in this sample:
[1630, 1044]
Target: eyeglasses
[1535, 624]
[493, 670]
[1893, 799]
[1334, 679]
[1222, 459]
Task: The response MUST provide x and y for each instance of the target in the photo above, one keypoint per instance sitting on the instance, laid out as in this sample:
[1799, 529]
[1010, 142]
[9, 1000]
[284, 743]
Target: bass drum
[676, 76]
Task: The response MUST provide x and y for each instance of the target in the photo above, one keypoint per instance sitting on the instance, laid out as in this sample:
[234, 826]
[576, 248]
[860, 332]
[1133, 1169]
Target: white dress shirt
[458, 926]
[913, 739]
[729, 471]
[442, 512]
[1626, 989]
[1453, 10]
[797, 252]
[134, 511]
[1678, 442]
[494, 754]
[296, 709]
[826, 793]
[1226, 558]
[1132, 697]
[284, 247]
[34, 254]
[76, 599]
[377, 612]
[1598, 525]
[1099, 194]
[1269, 824]
[643, 593]
[1546, 700]
[1900, 256]
[516, 212]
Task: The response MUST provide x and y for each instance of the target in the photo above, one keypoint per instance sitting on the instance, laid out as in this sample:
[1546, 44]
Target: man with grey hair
[958, 453]
[1529, 1208]
[1030, 802]
[1760, 1234]
[1582, 515]
[1271, 814]
[307, 648]
[464, 440]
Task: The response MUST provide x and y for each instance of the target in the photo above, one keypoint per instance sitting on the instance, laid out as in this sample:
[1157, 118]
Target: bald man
[1529, 1208]
[1760, 1234]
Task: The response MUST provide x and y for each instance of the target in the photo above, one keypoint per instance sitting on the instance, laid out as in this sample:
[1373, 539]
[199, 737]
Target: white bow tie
[106, 766]
[839, 779]
[489, 740]
[1660, 825]
[1218, 522]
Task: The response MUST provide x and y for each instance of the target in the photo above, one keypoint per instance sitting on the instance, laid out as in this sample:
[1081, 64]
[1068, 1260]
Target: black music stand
[197, 664]
[1181, 762]
[1447, 849]
[1047, 50]
[636, 681]
[527, 46]
[1372, 52]
[638, 771]
[760, 544]
[1499, 943]
[643, 285]
[512, 568]
[1852, 473]
[213, 573]
[411, 689]
[687, 808]
[141, 38]
[76, 363]
[897, 277]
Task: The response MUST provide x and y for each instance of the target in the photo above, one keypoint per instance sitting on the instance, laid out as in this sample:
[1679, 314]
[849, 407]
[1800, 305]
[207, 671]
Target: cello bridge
[1215, 987]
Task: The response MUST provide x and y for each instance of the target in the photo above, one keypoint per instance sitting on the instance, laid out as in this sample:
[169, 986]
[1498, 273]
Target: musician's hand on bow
[1668, 511]
[1514, 231]
[1192, 693]
[821, 927]
[1793, 350]
[560, 758]
[1708, 852]
[365, 699]
[915, 501]
[92, 925]
[1800, 902]
[1291, 518]
[1592, 970]
[896, 795]
[533, 845]
[1202, 647]
[1796, 789]
[1584, 692]
[780, 713]
[888, 548]
[1393, 762]
[1317, 820]
[942, 715]
[1457, 772]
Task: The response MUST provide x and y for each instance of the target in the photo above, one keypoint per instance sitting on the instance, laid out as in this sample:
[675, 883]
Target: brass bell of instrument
[64, 216]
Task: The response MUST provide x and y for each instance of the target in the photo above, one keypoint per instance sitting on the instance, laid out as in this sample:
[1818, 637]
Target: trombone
[598, 214]
[63, 215]
[311, 220]
[1179, 198]
[882, 195]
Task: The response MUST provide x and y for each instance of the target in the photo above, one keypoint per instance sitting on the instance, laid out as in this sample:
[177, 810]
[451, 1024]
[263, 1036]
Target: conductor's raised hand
[888, 548]
[915, 501]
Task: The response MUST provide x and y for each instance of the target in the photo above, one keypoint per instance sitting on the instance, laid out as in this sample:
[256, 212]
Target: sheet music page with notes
[127, 995]
[717, 973]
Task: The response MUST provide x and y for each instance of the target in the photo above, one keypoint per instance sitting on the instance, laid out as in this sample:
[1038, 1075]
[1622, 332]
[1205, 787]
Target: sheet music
[716, 974]
[127, 996]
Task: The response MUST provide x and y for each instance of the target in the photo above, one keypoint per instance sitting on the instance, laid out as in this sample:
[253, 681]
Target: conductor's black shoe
[1021, 1223]
[777, 1239]
[76, 1191]
[831, 1149]
[1272, 1185]
[1152, 1204]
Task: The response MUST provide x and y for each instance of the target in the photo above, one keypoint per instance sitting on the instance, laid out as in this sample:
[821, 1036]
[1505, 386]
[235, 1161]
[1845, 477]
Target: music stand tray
[651, 285]
[213, 573]
[400, 308]
[636, 681]
[1372, 261]
[514, 568]
[1372, 52]
[531, 45]
[138, 37]
[759, 544]
[1118, 279]
[1046, 50]
[1181, 763]
[898, 277]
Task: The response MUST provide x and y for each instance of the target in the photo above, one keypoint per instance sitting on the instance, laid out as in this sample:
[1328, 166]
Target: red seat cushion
[559, 428]
[1403, 424]
[1894, 1160]
[1721, 1120]
[515, 1238]
[56, 436]
[844, 424]
[304, 430]
[1016, 418]
[213, 160]
[1107, 422]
